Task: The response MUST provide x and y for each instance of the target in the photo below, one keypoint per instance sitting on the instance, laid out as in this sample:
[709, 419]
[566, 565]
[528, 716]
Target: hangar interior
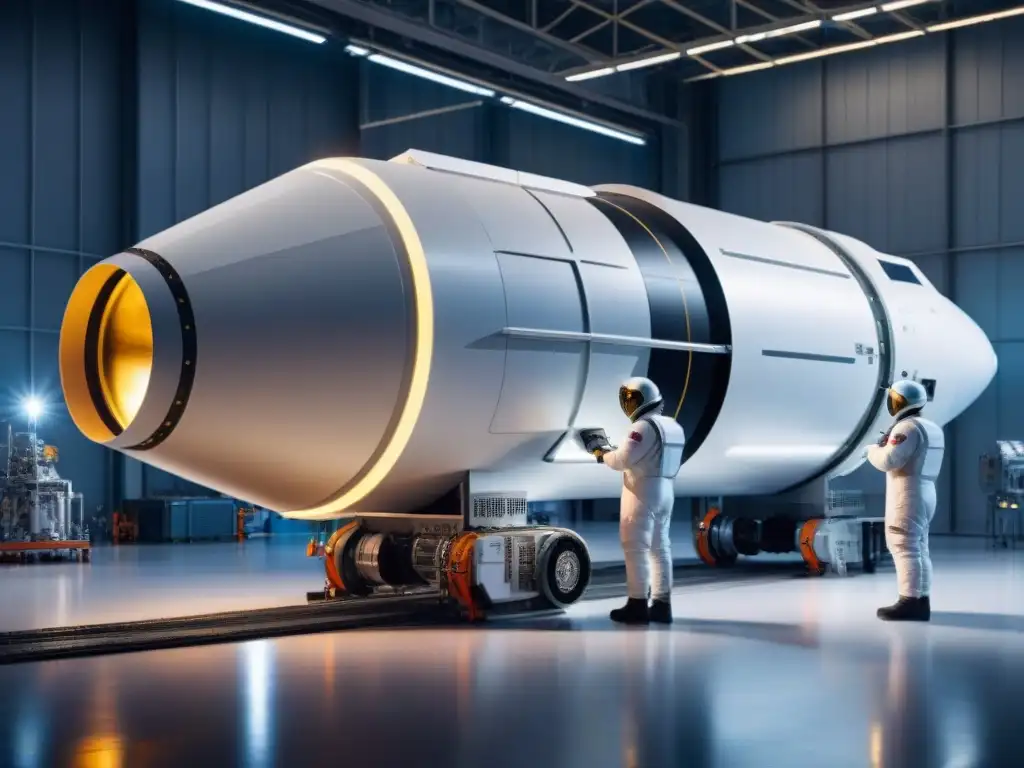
[900, 124]
[118, 129]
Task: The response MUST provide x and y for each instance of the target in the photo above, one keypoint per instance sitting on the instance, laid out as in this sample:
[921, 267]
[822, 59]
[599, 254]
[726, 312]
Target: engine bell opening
[106, 352]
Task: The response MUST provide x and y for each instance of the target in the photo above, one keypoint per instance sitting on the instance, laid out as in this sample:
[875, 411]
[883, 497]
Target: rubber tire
[548, 585]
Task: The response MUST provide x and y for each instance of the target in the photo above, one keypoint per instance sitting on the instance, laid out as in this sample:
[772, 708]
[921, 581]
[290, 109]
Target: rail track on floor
[320, 615]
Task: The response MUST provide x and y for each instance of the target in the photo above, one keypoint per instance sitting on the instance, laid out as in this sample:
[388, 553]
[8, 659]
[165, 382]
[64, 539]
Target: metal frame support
[949, 140]
[125, 476]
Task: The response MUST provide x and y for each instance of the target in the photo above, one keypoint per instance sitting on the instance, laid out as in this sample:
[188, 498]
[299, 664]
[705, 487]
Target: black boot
[633, 612]
[661, 612]
[907, 609]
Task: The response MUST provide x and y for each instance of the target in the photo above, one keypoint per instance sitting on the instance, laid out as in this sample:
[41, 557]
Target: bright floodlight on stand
[33, 408]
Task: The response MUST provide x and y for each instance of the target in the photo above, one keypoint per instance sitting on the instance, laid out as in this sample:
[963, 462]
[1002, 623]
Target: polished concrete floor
[779, 674]
[134, 582]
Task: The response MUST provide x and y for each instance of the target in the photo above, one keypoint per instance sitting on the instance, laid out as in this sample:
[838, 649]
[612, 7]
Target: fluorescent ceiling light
[561, 117]
[747, 68]
[260, 21]
[899, 36]
[426, 74]
[894, 38]
[710, 47]
[650, 61]
[825, 52]
[590, 75]
[898, 5]
[793, 29]
[357, 50]
[751, 38]
[977, 19]
[850, 15]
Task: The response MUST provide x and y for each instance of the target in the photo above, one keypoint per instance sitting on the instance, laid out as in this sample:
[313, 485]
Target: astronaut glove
[594, 440]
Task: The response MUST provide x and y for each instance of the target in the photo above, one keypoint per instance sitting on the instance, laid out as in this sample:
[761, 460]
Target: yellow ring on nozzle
[106, 352]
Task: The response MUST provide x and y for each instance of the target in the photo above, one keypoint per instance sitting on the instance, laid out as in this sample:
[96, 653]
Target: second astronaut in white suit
[649, 459]
[910, 454]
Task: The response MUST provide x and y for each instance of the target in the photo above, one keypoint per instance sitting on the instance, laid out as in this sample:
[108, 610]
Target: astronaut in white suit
[910, 453]
[649, 458]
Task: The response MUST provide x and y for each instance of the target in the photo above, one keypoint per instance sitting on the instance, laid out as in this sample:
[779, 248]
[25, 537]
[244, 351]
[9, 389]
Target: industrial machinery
[40, 514]
[434, 324]
[1002, 481]
[483, 568]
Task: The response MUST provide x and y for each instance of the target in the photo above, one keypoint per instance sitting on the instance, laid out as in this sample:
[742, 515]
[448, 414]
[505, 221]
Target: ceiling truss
[575, 36]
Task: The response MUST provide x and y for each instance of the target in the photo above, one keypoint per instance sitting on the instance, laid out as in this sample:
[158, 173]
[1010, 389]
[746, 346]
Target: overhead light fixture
[260, 21]
[899, 36]
[851, 15]
[794, 28]
[33, 407]
[580, 76]
[971, 20]
[576, 122]
[748, 68]
[411, 69]
[825, 52]
[830, 51]
[894, 38]
[710, 47]
[899, 5]
[650, 61]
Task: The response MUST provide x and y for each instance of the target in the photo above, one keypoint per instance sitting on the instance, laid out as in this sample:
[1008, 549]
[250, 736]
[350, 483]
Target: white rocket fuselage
[355, 335]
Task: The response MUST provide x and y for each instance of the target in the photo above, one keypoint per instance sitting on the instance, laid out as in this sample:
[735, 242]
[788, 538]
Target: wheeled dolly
[823, 543]
[480, 570]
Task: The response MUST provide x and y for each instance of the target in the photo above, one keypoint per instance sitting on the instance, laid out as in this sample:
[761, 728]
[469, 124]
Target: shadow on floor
[997, 622]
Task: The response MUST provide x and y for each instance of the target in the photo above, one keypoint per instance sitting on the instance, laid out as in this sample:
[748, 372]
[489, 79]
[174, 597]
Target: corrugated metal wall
[222, 107]
[120, 118]
[60, 200]
[918, 149]
[399, 113]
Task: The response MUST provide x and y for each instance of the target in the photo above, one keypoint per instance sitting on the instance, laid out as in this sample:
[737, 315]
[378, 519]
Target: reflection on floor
[781, 674]
[134, 582]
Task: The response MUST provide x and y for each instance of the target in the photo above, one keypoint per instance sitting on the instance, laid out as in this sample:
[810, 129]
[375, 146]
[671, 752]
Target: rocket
[361, 336]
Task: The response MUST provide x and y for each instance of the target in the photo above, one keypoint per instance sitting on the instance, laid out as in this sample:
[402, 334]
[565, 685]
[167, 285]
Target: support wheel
[563, 570]
[705, 537]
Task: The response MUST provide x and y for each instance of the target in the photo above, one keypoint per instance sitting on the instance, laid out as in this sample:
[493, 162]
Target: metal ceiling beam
[432, 37]
[615, 18]
[715, 26]
[771, 17]
[589, 54]
[809, 7]
[558, 19]
[629, 25]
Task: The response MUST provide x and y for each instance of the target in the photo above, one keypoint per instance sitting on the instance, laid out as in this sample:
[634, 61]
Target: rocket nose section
[976, 360]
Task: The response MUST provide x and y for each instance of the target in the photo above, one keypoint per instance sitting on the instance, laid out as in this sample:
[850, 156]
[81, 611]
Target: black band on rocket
[92, 361]
[187, 324]
[687, 304]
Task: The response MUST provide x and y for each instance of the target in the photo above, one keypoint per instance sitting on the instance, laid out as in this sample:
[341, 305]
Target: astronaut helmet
[905, 396]
[640, 397]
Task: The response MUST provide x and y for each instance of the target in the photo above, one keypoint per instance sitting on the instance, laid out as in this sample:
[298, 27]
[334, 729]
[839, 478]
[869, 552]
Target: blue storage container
[177, 519]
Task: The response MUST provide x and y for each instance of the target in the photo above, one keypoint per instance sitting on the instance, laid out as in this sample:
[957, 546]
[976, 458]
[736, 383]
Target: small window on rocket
[899, 272]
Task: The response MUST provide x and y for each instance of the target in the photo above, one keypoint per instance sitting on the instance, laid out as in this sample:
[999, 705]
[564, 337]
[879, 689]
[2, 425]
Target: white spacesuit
[910, 454]
[649, 458]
